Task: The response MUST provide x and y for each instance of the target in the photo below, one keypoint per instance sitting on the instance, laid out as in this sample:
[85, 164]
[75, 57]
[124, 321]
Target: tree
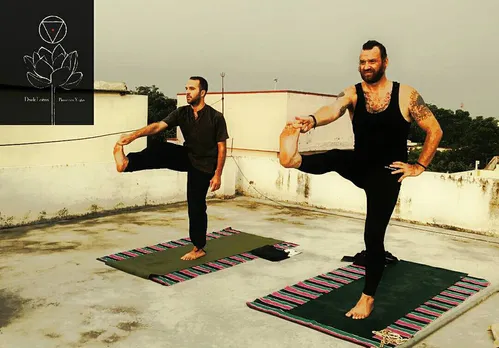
[159, 106]
[469, 139]
[446, 161]
[481, 140]
[454, 125]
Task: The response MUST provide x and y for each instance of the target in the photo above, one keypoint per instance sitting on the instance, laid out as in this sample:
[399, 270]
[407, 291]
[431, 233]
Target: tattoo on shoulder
[418, 108]
[343, 109]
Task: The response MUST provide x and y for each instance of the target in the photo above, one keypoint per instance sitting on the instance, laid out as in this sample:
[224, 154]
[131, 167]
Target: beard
[194, 101]
[374, 77]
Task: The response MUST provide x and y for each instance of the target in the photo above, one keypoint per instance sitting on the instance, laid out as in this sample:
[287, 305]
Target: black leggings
[382, 190]
[175, 157]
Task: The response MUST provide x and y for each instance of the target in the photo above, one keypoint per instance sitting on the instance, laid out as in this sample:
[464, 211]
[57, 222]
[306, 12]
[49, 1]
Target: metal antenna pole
[223, 107]
[223, 102]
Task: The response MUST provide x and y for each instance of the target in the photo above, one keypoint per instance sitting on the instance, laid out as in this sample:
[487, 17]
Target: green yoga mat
[404, 287]
[409, 297]
[168, 261]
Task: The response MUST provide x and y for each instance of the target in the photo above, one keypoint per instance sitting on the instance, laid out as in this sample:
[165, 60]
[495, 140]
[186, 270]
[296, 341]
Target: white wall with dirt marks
[34, 194]
[437, 199]
[31, 194]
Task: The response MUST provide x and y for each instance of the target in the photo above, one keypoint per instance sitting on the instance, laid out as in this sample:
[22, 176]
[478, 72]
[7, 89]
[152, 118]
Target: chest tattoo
[376, 103]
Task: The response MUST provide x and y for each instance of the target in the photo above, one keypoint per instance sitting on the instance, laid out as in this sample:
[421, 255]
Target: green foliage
[159, 106]
[469, 140]
[450, 161]
[453, 124]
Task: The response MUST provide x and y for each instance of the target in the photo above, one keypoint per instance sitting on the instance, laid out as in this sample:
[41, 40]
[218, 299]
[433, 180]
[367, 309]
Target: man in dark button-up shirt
[202, 134]
[202, 156]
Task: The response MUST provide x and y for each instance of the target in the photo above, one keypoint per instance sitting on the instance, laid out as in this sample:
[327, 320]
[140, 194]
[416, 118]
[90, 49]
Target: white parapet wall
[42, 193]
[453, 201]
[38, 194]
[34, 194]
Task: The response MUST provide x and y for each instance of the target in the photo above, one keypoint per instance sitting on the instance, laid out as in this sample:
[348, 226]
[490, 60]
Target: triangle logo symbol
[53, 30]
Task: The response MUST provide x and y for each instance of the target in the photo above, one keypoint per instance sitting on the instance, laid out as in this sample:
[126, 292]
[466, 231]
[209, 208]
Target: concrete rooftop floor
[54, 293]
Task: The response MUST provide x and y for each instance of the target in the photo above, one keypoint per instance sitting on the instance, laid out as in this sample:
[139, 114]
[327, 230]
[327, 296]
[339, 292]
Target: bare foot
[288, 147]
[194, 254]
[119, 157]
[363, 308]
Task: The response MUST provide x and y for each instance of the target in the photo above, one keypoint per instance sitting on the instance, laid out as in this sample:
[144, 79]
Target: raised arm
[170, 121]
[328, 113]
[150, 129]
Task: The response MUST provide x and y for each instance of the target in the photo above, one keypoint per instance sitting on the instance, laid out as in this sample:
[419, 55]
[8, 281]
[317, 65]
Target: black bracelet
[417, 162]
[315, 121]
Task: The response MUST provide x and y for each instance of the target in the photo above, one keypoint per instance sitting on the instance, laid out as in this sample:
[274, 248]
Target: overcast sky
[447, 49]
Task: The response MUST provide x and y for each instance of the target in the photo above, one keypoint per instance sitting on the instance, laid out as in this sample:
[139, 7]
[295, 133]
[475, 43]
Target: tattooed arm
[425, 119]
[331, 113]
[422, 115]
[328, 113]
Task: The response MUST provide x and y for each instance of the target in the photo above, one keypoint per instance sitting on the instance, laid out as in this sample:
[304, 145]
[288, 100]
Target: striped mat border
[279, 303]
[192, 272]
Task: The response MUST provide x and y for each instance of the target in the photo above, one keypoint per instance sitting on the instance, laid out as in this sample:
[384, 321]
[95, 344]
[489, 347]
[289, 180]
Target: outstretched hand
[304, 123]
[406, 169]
[125, 140]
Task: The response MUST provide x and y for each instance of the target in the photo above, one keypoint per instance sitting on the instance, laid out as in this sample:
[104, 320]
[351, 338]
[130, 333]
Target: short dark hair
[369, 45]
[203, 84]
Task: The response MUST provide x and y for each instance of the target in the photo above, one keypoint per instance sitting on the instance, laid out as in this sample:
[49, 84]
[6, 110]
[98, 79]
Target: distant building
[255, 119]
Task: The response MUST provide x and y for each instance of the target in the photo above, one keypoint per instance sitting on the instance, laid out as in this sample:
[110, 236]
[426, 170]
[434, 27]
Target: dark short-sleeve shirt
[201, 135]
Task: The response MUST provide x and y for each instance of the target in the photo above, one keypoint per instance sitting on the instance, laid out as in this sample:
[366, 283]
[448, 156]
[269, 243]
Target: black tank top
[380, 138]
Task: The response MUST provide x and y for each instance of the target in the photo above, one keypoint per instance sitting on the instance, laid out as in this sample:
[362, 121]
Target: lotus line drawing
[54, 69]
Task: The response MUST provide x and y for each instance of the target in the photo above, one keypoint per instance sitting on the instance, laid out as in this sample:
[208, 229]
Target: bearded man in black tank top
[381, 112]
